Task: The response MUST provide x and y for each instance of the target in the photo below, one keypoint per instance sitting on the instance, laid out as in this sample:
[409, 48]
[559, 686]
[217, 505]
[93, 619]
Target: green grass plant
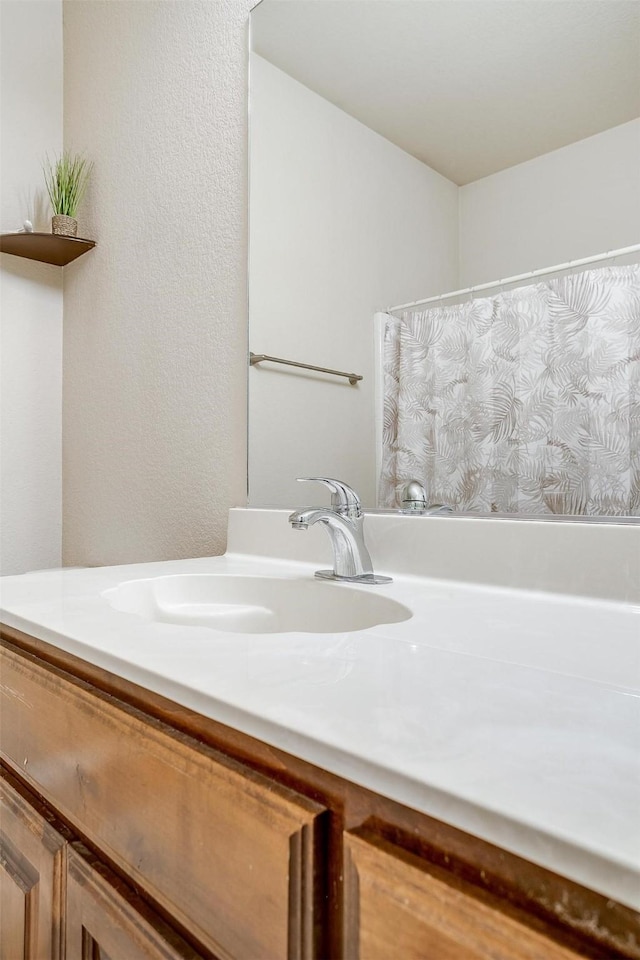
[66, 179]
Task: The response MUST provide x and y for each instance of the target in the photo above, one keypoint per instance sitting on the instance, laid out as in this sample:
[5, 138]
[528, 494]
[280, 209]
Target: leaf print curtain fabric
[525, 402]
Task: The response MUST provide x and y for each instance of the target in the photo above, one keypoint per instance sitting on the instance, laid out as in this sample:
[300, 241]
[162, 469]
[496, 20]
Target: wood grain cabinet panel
[103, 923]
[234, 857]
[32, 866]
[396, 906]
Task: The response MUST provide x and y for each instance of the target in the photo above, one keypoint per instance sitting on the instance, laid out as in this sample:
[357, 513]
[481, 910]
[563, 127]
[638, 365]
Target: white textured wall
[343, 223]
[30, 292]
[155, 320]
[573, 202]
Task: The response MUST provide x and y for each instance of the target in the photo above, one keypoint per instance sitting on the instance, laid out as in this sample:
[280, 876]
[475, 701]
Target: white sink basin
[255, 604]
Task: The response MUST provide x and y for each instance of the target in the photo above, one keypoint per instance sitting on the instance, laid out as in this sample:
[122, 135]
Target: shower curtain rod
[611, 255]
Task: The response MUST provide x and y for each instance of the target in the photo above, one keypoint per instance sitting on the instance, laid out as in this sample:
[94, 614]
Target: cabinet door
[32, 864]
[396, 906]
[106, 921]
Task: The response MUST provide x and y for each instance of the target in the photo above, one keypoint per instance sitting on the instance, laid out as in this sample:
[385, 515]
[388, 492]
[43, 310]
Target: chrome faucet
[344, 524]
[414, 500]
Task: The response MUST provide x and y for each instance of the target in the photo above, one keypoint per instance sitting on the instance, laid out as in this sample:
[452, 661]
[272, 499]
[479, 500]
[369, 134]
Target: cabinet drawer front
[395, 907]
[231, 855]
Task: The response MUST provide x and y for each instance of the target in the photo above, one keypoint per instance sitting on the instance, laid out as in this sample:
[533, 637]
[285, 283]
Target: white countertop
[512, 715]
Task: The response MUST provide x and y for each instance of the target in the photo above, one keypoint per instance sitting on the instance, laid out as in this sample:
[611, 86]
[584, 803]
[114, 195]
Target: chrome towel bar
[259, 357]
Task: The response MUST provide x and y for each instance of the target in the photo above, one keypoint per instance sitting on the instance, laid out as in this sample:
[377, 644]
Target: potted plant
[66, 179]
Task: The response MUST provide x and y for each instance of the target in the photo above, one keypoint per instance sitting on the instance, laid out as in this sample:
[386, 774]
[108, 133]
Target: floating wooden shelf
[46, 247]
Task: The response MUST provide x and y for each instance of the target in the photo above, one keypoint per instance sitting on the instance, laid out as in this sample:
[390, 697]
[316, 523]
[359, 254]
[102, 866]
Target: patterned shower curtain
[524, 402]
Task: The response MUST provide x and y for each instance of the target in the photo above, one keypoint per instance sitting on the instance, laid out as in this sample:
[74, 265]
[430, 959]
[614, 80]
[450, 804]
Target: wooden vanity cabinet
[135, 829]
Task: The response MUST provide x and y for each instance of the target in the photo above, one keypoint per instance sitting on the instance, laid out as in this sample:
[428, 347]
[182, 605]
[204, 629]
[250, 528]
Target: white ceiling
[469, 87]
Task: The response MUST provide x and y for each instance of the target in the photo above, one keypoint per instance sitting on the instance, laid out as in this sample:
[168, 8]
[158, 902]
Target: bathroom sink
[241, 604]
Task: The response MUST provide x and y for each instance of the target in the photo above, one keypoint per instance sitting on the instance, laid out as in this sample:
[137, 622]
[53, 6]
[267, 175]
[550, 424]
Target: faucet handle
[344, 500]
